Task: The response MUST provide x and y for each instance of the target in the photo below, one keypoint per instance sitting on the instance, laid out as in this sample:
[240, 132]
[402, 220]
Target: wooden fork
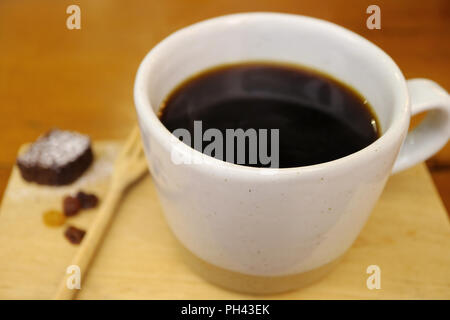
[129, 166]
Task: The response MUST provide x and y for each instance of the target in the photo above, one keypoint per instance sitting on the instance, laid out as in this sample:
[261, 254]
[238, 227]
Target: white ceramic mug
[292, 220]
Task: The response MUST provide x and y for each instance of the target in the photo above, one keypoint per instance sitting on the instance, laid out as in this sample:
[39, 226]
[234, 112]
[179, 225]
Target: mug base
[245, 283]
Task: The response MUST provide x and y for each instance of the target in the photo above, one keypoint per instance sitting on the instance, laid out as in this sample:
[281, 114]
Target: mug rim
[148, 117]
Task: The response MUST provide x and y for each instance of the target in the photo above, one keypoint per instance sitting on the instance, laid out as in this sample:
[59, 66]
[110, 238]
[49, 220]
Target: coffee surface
[318, 118]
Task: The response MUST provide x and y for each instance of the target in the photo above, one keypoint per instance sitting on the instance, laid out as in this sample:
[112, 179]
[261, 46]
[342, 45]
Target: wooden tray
[407, 236]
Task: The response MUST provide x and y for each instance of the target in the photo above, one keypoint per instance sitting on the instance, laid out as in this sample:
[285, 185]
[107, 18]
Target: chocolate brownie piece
[56, 158]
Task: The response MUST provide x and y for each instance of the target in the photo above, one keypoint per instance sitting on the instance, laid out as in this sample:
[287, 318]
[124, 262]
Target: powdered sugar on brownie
[55, 149]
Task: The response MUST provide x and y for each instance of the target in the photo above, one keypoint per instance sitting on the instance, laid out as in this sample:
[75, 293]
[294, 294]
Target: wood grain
[82, 79]
[140, 258]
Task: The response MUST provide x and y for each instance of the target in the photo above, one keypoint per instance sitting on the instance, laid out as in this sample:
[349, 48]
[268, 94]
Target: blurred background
[82, 80]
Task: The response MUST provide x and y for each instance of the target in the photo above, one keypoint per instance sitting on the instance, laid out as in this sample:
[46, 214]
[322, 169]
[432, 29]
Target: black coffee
[318, 118]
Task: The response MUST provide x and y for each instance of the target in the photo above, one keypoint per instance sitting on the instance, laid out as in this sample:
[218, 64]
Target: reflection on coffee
[316, 118]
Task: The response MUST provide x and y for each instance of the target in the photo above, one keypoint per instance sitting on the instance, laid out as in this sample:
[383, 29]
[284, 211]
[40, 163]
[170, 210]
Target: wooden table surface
[407, 240]
[83, 79]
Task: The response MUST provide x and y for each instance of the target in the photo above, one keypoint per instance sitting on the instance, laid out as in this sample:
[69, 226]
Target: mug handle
[433, 132]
